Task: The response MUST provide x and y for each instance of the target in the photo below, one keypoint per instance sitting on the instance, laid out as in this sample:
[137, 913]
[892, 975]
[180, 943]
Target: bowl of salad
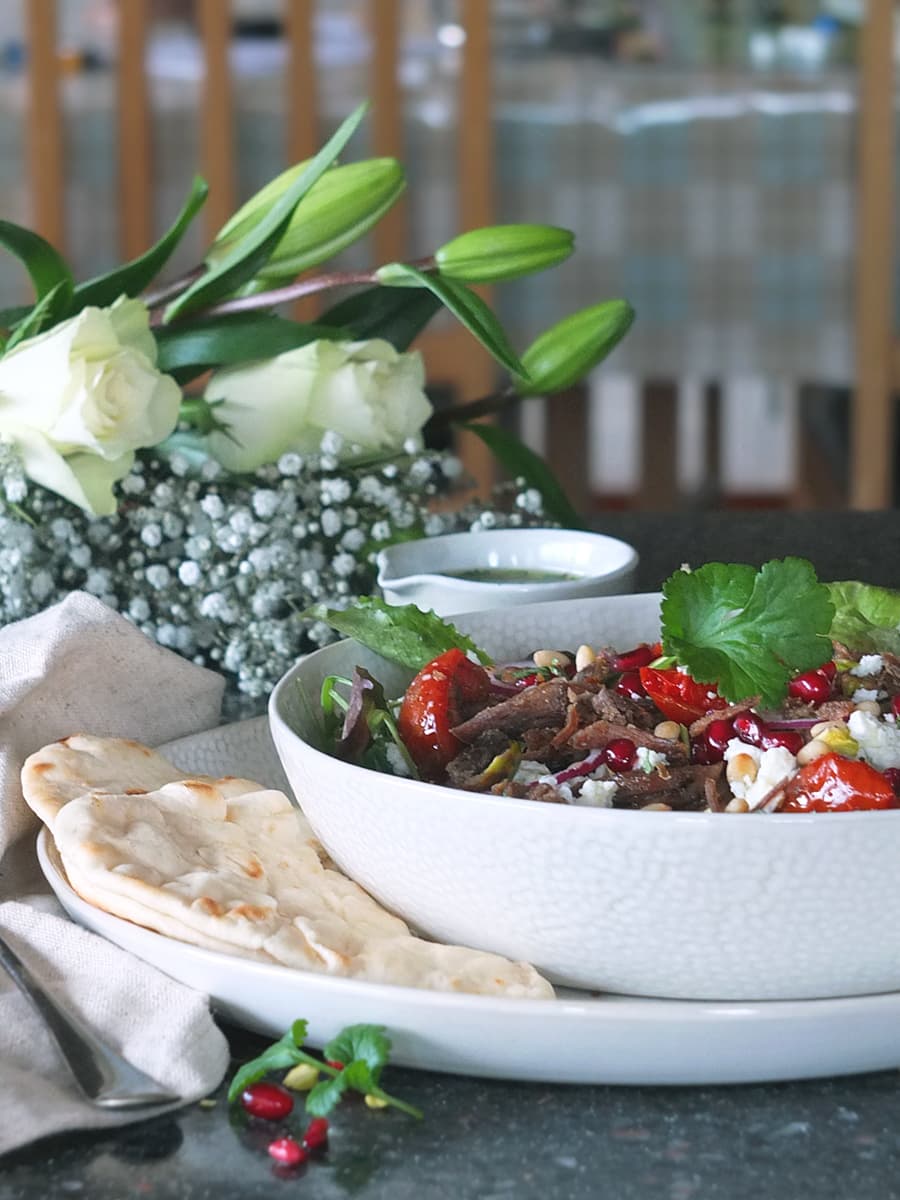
[689, 795]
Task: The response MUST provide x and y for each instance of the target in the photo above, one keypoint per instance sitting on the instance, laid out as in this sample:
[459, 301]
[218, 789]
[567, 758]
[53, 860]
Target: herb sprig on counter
[361, 1050]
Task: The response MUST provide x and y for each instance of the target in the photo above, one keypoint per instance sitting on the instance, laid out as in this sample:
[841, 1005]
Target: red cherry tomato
[835, 784]
[432, 706]
[679, 697]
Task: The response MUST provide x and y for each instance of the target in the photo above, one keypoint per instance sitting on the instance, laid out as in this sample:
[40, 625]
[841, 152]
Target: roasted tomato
[679, 697]
[436, 700]
[835, 784]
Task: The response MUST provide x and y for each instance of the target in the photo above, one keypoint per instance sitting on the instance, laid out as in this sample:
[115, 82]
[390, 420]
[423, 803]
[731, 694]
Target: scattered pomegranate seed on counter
[269, 1101]
[316, 1134]
[288, 1151]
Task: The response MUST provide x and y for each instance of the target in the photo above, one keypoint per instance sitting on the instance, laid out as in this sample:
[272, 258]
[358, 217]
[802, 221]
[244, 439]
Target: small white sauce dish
[574, 565]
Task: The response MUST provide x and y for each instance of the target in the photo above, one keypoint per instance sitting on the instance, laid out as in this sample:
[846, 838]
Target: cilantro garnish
[401, 632]
[748, 631]
[363, 1049]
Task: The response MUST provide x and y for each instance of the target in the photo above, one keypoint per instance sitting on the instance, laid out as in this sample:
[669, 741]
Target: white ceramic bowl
[417, 572]
[689, 905]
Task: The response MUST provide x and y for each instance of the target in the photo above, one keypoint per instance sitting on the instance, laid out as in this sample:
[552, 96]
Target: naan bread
[237, 871]
[67, 769]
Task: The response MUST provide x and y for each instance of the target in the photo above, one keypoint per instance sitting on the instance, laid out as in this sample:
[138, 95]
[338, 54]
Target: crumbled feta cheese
[775, 766]
[648, 760]
[736, 746]
[869, 664]
[866, 694]
[529, 771]
[394, 756]
[598, 793]
[879, 741]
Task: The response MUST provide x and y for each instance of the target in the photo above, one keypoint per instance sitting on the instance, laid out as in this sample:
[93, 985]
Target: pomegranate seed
[335, 1064]
[718, 734]
[895, 705]
[528, 680]
[812, 686]
[790, 739]
[630, 685]
[749, 728]
[631, 660]
[620, 754]
[892, 775]
[288, 1151]
[829, 668]
[316, 1134]
[702, 754]
[267, 1100]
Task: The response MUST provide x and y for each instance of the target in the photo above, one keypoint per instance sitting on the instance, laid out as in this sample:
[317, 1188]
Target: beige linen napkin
[81, 668]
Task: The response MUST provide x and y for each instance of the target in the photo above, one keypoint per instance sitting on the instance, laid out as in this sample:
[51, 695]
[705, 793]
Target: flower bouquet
[211, 468]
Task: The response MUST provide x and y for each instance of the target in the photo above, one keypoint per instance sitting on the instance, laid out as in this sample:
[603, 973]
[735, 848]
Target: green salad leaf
[866, 618]
[401, 632]
[748, 631]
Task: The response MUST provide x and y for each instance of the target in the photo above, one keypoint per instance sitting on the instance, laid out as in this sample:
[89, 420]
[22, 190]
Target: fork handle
[103, 1075]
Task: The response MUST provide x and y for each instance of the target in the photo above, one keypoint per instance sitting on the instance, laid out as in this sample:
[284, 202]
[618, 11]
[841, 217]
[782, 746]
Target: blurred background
[726, 165]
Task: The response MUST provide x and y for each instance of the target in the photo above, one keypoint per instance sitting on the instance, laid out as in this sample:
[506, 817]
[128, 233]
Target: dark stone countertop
[481, 1138]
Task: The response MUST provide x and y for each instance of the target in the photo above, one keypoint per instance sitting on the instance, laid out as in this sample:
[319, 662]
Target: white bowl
[687, 905]
[418, 572]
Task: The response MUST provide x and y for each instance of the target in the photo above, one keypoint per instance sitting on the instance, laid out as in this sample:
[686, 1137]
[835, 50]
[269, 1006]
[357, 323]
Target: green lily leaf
[396, 314]
[565, 352]
[42, 314]
[522, 462]
[131, 278]
[252, 251]
[500, 252]
[185, 350]
[466, 306]
[46, 267]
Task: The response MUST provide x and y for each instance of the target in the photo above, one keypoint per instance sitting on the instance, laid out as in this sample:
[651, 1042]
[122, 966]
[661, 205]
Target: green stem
[168, 291]
[300, 288]
[472, 409]
[401, 1104]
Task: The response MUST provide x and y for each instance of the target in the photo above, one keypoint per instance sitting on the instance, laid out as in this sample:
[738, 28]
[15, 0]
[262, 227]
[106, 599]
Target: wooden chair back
[453, 359]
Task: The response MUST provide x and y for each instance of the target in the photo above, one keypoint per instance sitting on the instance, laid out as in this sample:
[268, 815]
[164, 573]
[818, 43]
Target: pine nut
[656, 808]
[811, 751]
[869, 706]
[584, 656]
[737, 805]
[670, 730]
[551, 658]
[824, 726]
[742, 767]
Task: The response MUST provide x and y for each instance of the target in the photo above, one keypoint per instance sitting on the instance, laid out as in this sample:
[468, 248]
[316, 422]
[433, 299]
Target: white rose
[365, 391]
[78, 400]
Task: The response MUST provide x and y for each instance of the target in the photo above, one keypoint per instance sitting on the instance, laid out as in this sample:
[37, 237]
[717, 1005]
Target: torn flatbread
[237, 871]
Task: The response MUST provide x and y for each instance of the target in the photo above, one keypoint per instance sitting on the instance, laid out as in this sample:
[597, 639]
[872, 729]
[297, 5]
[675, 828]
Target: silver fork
[104, 1077]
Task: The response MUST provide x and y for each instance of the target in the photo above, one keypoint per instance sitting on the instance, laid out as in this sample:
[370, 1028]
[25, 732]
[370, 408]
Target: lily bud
[565, 352]
[504, 252]
[342, 206]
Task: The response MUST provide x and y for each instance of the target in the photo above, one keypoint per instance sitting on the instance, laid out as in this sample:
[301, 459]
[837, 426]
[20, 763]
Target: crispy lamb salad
[767, 691]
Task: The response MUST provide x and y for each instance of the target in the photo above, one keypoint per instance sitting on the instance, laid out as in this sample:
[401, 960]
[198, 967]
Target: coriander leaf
[402, 633]
[747, 631]
[866, 618]
[366, 1042]
[281, 1054]
[326, 1095]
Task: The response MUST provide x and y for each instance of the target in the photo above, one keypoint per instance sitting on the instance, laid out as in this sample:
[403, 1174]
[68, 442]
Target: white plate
[578, 1038]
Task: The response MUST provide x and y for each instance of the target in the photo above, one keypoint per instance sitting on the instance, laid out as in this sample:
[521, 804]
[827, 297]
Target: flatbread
[67, 769]
[238, 871]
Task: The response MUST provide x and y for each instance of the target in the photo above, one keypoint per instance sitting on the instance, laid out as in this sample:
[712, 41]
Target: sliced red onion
[590, 763]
